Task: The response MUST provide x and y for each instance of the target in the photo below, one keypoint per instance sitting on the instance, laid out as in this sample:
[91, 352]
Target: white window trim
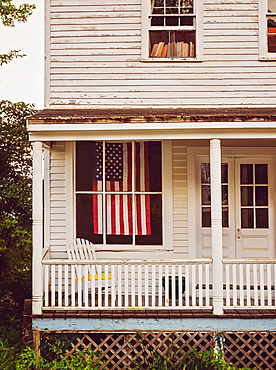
[263, 47]
[167, 212]
[145, 35]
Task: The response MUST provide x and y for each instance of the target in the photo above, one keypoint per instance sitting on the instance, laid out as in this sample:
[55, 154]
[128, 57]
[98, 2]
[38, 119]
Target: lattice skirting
[119, 350]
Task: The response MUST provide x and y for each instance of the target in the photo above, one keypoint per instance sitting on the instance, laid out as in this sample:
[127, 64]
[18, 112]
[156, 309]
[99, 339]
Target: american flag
[118, 174]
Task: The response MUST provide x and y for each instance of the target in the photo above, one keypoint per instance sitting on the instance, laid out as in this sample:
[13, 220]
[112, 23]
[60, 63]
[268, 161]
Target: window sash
[165, 50]
[135, 194]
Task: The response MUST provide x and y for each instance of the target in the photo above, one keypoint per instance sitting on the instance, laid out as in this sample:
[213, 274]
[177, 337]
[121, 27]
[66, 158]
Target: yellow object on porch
[95, 277]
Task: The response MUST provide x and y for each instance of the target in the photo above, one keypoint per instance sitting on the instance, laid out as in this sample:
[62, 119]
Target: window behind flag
[119, 192]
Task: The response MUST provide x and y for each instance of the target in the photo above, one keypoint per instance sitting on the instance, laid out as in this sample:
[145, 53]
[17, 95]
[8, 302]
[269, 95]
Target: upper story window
[171, 28]
[271, 26]
[267, 25]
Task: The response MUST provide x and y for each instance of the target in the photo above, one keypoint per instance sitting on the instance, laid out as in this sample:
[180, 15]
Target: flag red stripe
[148, 223]
[121, 215]
[138, 215]
[113, 214]
[129, 211]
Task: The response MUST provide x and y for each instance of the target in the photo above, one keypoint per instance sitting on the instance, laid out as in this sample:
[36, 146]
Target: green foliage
[82, 359]
[176, 359]
[9, 13]
[6, 58]
[15, 200]
[10, 331]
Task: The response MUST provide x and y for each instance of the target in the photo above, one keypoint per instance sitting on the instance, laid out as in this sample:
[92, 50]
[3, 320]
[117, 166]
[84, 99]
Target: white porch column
[37, 228]
[216, 225]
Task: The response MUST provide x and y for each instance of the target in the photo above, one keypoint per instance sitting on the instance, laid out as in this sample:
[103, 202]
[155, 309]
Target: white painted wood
[100, 41]
[216, 225]
[37, 295]
[143, 283]
[255, 243]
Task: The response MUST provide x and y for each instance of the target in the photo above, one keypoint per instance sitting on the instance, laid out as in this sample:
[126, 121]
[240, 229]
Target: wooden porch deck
[242, 313]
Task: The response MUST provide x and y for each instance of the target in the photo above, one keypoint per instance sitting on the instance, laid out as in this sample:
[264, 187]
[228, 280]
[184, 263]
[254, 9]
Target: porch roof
[151, 115]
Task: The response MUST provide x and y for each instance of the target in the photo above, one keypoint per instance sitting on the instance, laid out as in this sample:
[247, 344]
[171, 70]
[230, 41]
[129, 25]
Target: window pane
[119, 214]
[171, 21]
[247, 196]
[152, 235]
[148, 169]
[262, 218]
[261, 174]
[88, 154]
[261, 196]
[118, 166]
[247, 218]
[89, 224]
[205, 195]
[246, 173]
[271, 34]
[205, 173]
[157, 21]
[206, 217]
[172, 43]
[271, 6]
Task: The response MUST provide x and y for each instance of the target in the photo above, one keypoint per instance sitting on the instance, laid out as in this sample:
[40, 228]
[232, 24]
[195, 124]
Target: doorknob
[238, 233]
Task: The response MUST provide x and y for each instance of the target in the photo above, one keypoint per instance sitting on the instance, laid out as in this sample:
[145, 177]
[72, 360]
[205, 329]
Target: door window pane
[261, 196]
[205, 195]
[206, 217]
[247, 218]
[261, 174]
[224, 172]
[246, 171]
[225, 217]
[205, 173]
[262, 218]
[247, 195]
[224, 190]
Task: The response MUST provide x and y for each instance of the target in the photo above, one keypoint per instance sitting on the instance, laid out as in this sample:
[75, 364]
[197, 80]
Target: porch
[191, 285]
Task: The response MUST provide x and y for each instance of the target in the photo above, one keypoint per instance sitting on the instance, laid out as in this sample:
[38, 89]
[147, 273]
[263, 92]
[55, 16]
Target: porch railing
[250, 283]
[127, 284]
[156, 284]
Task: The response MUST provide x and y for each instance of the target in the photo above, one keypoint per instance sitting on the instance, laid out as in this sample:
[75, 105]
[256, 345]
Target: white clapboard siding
[57, 199]
[180, 197]
[95, 59]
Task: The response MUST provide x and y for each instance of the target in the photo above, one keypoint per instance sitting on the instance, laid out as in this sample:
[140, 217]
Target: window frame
[263, 44]
[146, 12]
[167, 224]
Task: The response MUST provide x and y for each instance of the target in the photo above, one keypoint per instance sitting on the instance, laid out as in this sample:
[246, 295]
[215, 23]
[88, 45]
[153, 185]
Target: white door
[247, 208]
[254, 188]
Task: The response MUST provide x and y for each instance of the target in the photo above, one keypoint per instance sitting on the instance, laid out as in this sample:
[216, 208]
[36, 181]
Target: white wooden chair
[83, 249]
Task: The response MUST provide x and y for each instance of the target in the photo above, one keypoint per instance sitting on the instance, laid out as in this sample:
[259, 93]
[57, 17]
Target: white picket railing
[250, 283]
[127, 284]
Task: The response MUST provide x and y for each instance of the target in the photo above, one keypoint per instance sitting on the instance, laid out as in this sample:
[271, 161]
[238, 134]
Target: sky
[23, 78]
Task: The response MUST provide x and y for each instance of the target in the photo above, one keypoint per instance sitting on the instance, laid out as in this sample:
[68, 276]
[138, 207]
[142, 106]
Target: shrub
[83, 359]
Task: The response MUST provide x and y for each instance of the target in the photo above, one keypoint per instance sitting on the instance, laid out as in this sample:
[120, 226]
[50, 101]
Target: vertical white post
[216, 225]
[37, 228]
